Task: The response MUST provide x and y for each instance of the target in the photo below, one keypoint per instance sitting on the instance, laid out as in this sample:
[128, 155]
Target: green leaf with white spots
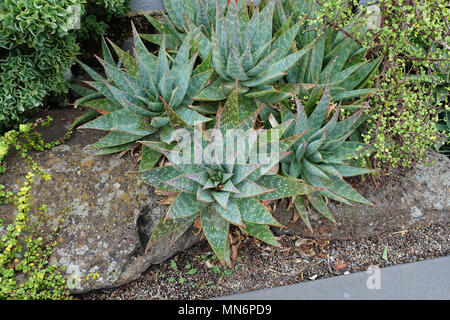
[184, 205]
[260, 232]
[231, 213]
[283, 187]
[253, 211]
[215, 229]
[166, 227]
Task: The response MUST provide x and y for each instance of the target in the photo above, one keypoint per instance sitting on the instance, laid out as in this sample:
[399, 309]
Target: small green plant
[188, 270]
[337, 56]
[25, 272]
[224, 189]
[412, 39]
[321, 156]
[27, 139]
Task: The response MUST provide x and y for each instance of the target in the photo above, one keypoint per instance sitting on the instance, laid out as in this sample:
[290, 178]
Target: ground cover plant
[25, 248]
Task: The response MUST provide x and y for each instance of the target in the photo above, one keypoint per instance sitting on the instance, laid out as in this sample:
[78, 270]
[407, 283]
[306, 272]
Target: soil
[259, 266]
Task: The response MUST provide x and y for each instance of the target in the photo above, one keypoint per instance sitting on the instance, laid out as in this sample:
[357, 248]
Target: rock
[128, 46]
[418, 198]
[111, 216]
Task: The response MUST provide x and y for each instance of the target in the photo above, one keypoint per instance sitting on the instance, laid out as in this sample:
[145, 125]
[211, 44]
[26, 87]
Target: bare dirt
[259, 266]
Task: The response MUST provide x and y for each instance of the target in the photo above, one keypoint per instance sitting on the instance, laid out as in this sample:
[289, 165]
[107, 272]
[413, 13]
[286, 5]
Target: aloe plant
[150, 96]
[321, 156]
[181, 16]
[226, 189]
[245, 49]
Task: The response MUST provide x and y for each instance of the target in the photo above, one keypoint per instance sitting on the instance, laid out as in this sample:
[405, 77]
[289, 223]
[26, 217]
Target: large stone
[111, 216]
[419, 197]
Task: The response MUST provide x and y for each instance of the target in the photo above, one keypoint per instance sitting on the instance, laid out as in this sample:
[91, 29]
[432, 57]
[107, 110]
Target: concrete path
[427, 280]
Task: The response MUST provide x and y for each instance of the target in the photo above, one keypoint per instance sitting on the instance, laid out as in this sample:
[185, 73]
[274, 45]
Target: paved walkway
[425, 280]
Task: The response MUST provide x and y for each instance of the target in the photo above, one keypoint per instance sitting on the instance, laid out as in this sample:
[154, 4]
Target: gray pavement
[424, 280]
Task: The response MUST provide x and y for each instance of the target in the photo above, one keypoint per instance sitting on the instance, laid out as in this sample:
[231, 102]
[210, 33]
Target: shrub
[37, 45]
[36, 48]
[412, 39]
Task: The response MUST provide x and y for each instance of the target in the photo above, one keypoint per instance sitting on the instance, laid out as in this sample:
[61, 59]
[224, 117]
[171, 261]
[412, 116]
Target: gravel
[195, 274]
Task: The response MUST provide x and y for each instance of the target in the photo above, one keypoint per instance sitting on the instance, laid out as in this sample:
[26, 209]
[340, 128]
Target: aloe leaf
[253, 211]
[91, 95]
[249, 189]
[166, 227]
[172, 41]
[184, 205]
[218, 59]
[263, 80]
[231, 213]
[94, 75]
[360, 75]
[107, 53]
[301, 120]
[316, 60]
[318, 116]
[319, 204]
[221, 198]
[230, 114]
[157, 177]
[242, 171]
[348, 171]
[183, 184]
[116, 138]
[283, 187]
[128, 61]
[215, 229]
[299, 204]
[204, 195]
[102, 105]
[235, 70]
[314, 146]
[103, 89]
[348, 94]
[348, 150]
[263, 64]
[175, 120]
[85, 117]
[216, 91]
[261, 232]
[115, 149]
[285, 41]
[123, 80]
[286, 63]
[149, 158]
